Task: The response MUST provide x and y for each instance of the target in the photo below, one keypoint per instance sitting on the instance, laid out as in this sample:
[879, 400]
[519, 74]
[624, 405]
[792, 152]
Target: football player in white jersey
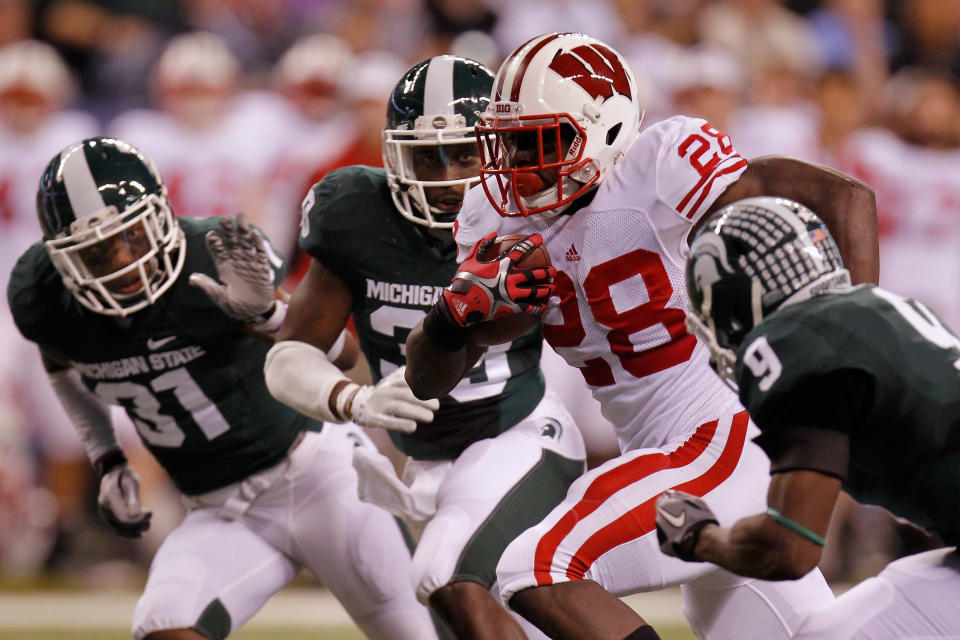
[915, 166]
[615, 208]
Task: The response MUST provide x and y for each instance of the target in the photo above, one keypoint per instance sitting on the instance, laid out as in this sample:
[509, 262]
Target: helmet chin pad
[528, 184]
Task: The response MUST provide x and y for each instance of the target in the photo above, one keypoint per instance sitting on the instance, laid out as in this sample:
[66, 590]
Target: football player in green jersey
[501, 450]
[853, 387]
[267, 490]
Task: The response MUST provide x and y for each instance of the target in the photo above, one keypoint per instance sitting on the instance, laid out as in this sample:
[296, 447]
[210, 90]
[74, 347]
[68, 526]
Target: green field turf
[260, 633]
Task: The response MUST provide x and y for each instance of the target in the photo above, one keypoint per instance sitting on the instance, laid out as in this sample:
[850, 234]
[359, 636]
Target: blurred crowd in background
[243, 104]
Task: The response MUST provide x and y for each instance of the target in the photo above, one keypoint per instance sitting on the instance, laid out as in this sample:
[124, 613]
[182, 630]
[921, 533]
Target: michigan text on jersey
[418, 294]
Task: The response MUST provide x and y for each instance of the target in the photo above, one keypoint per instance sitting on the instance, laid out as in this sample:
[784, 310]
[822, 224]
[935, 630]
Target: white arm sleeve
[300, 376]
[89, 414]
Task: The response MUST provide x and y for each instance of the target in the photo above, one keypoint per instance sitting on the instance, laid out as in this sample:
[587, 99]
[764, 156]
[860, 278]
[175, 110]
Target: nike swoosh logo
[153, 345]
[676, 521]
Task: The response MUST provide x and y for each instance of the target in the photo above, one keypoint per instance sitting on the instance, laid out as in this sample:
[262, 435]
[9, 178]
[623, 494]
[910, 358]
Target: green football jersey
[396, 273]
[188, 377]
[867, 380]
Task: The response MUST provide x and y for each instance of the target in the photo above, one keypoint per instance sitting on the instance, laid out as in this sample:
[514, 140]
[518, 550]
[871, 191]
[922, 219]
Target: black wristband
[442, 330]
[688, 543]
[109, 460]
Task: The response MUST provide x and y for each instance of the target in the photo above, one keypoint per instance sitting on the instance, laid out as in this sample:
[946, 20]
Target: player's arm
[300, 369]
[847, 205]
[439, 349]
[435, 365]
[786, 542]
[118, 502]
[804, 432]
[247, 291]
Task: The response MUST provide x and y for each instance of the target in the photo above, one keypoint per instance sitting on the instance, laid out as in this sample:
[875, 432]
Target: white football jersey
[918, 205]
[619, 309]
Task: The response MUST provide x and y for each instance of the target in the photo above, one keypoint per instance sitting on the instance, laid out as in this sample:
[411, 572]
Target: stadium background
[243, 104]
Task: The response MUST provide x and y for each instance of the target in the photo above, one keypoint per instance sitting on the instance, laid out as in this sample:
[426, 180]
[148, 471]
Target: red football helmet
[564, 109]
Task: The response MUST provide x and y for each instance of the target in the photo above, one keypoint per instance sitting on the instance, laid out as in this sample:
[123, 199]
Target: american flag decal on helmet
[595, 68]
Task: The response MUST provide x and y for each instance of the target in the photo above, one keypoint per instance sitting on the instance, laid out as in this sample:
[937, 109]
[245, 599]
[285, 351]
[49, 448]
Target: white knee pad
[190, 589]
[438, 552]
[513, 570]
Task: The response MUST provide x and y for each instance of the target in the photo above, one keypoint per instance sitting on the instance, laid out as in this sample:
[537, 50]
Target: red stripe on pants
[640, 520]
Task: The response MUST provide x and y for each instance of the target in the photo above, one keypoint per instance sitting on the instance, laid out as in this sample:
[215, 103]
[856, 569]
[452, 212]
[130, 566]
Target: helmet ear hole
[612, 132]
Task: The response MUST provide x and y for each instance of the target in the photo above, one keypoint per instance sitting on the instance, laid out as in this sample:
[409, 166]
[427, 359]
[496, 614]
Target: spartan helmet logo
[595, 68]
[552, 429]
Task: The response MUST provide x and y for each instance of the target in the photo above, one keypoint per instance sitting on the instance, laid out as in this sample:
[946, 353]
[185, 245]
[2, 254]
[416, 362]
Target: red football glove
[496, 287]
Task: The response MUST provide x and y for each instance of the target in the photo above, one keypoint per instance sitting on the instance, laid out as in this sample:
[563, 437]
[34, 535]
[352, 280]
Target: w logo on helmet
[595, 68]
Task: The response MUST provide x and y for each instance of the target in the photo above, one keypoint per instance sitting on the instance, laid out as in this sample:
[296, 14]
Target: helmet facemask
[419, 165]
[117, 263]
[535, 160]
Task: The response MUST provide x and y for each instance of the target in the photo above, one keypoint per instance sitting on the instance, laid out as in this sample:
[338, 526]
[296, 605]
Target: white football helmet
[196, 77]
[34, 82]
[311, 73]
[558, 91]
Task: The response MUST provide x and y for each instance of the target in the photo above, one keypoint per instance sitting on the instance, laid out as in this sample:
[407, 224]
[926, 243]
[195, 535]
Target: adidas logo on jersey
[572, 255]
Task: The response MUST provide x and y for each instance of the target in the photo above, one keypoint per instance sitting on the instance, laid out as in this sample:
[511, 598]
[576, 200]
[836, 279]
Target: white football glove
[390, 404]
[238, 252]
[119, 501]
[377, 483]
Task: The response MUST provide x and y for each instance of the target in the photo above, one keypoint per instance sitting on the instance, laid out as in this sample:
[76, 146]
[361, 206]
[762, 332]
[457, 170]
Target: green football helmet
[108, 227]
[430, 150]
[751, 258]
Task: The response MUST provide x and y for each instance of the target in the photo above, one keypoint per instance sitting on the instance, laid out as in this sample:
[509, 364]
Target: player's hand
[390, 404]
[488, 289]
[680, 519]
[377, 483]
[247, 291]
[119, 500]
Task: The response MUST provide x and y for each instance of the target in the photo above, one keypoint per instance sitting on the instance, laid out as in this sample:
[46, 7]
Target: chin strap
[724, 360]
